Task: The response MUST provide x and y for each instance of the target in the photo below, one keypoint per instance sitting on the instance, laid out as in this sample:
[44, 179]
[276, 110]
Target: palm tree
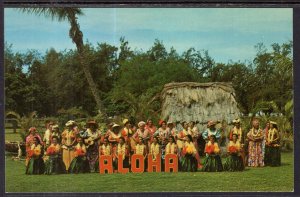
[70, 14]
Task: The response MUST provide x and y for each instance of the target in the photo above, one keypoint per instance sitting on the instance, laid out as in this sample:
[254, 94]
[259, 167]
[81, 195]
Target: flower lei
[188, 148]
[271, 134]
[237, 131]
[257, 134]
[170, 148]
[105, 149]
[154, 150]
[162, 132]
[183, 133]
[79, 151]
[68, 135]
[139, 149]
[35, 151]
[121, 150]
[233, 147]
[212, 148]
[114, 136]
[52, 149]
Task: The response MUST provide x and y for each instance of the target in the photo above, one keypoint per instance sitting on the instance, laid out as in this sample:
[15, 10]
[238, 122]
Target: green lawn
[10, 136]
[254, 179]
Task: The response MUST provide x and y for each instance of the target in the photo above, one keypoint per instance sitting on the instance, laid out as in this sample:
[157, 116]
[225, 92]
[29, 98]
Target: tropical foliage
[106, 80]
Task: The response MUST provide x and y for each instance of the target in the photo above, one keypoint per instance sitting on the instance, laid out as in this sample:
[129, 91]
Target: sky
[227, 33]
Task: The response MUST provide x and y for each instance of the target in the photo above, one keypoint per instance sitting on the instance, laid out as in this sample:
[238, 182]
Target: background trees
[129, 82]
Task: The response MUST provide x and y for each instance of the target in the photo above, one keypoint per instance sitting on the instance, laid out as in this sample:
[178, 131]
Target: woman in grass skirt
[189, 162]
[212, 162]
[124, 150]
[36, 163]
[273, 156]
[80, 163]
[140, 149]
[54, 164]
[234, 162]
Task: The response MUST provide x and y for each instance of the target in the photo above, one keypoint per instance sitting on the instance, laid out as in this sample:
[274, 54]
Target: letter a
[105, 165]
[169, 165]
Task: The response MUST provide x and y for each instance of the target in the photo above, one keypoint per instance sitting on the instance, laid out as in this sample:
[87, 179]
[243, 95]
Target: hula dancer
[142, 133]
[92, 144]
[68, 141]
[47, 134]
[36, 163]
[113, 139]
[105, 148]
[172, 129]
[127, 132]
[273, 146]
[171, 147]
[255, 137]
[189, 162]
[237, 130]
[30, 141]
[124, 150]
[211, 130]
[264, 149]
[194, 132]
[163, 131]
[212, 162]
[151, 128]
[234, 162]
[140, 149]
[54, 164]
[155, 148]
[56, 133]
[80, 163]
[181, 135]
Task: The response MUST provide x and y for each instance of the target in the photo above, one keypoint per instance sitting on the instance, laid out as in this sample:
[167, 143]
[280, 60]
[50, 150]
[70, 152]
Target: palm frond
[60, 14]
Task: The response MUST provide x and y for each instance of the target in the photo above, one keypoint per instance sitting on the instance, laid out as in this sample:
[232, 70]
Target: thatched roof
[189, 101]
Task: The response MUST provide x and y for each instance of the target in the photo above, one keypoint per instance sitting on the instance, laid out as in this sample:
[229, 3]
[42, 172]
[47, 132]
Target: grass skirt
[79, 165]
[55, 165]
[272, 156]
[234, 162]
[35, 166]
[212, 163]
[189, 163]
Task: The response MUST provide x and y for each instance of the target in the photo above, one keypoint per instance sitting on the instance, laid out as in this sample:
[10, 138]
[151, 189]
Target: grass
[252, 179]
[10, 136]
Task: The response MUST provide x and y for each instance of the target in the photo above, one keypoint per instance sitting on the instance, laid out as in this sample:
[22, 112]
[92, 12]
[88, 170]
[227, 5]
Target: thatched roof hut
[189, 101]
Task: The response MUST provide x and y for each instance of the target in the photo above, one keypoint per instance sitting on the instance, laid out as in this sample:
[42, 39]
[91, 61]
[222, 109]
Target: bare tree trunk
[76, 36]
[91, 83]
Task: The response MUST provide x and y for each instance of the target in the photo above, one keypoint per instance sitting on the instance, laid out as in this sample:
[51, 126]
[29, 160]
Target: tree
[70, 14]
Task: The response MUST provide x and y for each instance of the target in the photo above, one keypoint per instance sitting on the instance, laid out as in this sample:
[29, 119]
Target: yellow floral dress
[68, 141]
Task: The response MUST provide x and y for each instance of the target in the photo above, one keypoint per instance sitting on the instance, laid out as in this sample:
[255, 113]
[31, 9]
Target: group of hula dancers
[77, 150]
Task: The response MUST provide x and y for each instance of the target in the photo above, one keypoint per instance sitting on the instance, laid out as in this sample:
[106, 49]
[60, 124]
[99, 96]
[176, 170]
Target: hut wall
[199, 102]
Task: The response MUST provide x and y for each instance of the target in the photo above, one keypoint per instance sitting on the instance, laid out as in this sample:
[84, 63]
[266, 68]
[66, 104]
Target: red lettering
[154, 163]
[134, 159]
[171, 165]
[105, 165]
[120, 165]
